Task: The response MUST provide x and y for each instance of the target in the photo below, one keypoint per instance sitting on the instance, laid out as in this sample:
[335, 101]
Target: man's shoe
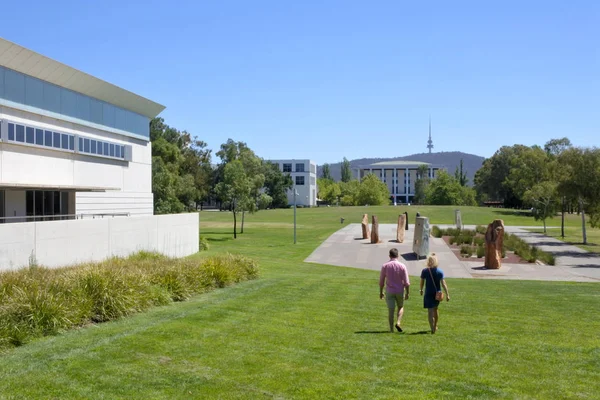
[398, 328]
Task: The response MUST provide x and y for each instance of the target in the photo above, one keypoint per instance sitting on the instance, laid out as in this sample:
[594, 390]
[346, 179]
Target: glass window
[287, 167]
[83, 107]
[20, 134]
[93, 146]
[71, 142]
[56, 140]
[29, 135]
[14, 86]
[39, 137]
[105, 151]
[299, 180]
[112, 150]
[118, 151]
[11, 131]
[99, 150]
[86, 145]
[108, 114]
[52, 98]
[64, 141]
[80, 147]
[48, 138]
[96, 111]
[34, 92]
[299, 167]
[68, 102]
[122, 151]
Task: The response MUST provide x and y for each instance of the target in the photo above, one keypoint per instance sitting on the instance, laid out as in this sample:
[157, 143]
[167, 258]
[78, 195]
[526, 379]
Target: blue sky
[328, 79]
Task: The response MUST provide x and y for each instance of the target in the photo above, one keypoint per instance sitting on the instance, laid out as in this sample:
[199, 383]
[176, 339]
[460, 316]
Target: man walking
[394, 276]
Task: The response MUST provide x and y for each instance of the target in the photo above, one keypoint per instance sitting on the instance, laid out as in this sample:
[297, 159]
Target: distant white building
[399, 176]
[304, 177]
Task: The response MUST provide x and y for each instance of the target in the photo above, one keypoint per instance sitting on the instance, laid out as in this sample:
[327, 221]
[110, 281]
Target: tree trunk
[544, 225]
[583, 221]
[243, 214]
[234, 225]
[562, 219]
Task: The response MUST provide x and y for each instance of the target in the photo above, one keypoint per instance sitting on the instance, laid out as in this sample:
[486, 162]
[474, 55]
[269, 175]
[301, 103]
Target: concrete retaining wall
[62, 243]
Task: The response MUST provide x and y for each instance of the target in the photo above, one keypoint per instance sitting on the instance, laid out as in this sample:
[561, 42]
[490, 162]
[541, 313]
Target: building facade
[399, 176]
[304, 178]
[70, 143]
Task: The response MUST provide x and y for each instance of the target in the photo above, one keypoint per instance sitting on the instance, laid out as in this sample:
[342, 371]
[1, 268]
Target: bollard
[341, 220]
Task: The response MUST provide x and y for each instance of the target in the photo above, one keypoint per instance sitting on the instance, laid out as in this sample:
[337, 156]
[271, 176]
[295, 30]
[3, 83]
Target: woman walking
[433, 290]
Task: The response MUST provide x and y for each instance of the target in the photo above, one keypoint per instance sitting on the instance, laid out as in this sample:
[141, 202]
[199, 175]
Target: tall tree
[582, 179]
[554, 148]
[277, 184]
[329, 190]
[253, 173]
[326, 172]
[446, 190]
[235, 188]
[373, 192]
[346, 170]
[460, 175]
[349, 192]
[543, 198]
[421, 184]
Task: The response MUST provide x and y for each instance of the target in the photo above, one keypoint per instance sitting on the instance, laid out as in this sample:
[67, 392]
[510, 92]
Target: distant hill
[448, 159]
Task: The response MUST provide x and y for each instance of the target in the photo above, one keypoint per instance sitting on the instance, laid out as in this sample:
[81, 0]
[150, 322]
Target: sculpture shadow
[372, 332]
[482, 268]
[409, 257]
[360, 238]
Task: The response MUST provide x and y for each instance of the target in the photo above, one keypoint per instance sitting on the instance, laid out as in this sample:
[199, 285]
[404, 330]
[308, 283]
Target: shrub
[204, 244]
[481, 229]
[478, 241]
[481, 251]
[453, 240]
[436, 231]
[451, 232]
[465, 239]
[38, 301]
[466, 250]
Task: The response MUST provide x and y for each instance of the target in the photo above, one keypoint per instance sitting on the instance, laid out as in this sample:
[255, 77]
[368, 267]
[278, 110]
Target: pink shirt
[395, 275]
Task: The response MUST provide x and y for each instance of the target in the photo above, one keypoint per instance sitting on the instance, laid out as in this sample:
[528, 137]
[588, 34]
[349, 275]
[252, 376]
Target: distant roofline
[398, 163]
[20, 59]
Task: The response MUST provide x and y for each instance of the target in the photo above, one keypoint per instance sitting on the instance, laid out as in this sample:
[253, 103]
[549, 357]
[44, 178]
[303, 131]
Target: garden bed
[470, 245]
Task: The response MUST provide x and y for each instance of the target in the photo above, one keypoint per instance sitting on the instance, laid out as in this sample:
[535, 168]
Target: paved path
[347, 248]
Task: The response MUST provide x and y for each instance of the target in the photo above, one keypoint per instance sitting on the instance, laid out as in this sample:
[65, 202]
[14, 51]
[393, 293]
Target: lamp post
[295, 194]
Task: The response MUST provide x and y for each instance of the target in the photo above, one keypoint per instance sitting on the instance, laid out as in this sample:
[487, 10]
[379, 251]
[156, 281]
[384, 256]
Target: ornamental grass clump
[38, 301]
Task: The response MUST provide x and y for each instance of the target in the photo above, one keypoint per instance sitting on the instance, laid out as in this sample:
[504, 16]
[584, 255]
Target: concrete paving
[347, 248]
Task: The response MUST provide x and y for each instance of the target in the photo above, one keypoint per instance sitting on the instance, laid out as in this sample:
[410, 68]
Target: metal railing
[61, 217]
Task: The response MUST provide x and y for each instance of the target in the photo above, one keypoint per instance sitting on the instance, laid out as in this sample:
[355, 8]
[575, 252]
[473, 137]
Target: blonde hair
[432, 261]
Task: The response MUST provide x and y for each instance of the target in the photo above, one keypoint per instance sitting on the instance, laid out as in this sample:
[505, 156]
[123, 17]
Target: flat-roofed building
[304, 178]
[70, 143]
[399, 176]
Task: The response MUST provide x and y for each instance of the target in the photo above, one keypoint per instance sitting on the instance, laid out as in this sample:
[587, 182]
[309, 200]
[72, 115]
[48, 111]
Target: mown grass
[573, 236]
[307, 331]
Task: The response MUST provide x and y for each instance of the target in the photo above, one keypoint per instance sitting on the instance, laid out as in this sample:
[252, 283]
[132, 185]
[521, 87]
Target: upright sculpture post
[458, 219]
[400, 229]
[406, 223]
[375, 230]
[421, 237]
[365, 227]
[494, 238]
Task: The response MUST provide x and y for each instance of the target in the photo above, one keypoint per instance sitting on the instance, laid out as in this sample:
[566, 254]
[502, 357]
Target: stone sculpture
[421, 237]
[375, 230]
[406, 214]
[365, 227]
[458, 219]
[400, 229]
[494, 237]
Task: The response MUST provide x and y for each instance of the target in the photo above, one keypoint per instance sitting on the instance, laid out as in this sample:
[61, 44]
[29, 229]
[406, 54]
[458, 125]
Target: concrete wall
[62, 243]
[35, 166]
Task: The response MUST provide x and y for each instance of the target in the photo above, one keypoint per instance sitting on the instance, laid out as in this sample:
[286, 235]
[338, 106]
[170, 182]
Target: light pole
[295, 194]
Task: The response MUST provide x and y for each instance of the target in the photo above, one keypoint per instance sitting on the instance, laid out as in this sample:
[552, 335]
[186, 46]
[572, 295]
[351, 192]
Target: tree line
[183, 176]
[557, 177]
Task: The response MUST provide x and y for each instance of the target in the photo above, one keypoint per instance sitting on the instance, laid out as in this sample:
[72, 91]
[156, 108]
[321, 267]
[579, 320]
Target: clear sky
[328, 79]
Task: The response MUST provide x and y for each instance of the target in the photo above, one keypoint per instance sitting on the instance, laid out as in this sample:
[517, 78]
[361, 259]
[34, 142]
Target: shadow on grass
[223, 239]
[362, 332]
[419, 333]
[518, 213]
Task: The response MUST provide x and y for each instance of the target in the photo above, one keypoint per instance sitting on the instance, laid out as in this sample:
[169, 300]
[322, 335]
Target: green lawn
[573, 236]
[312, 331]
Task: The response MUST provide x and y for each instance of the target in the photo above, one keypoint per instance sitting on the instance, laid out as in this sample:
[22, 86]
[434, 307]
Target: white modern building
[70, 143]
[399, 176]
[304, 177]
[73, 146]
